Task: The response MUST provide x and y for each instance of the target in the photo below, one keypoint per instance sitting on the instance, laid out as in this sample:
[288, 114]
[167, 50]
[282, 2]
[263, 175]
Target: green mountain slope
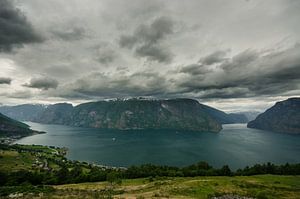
[10, 127]
[177, 114]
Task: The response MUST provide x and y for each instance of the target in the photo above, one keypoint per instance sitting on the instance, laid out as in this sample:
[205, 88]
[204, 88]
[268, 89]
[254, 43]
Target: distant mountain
[24, 112]
[10, 127]
[64, 113]
[55, 114]
[180, 114]
[223, 117]
[250, 115]
[283, 117]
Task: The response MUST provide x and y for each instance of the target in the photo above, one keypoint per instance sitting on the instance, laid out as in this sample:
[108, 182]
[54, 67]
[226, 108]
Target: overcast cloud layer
[238, 55]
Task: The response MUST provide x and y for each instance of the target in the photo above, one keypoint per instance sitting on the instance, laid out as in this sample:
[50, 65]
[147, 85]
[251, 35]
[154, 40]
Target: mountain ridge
[32, 112]
[283, 117]
[179, 114]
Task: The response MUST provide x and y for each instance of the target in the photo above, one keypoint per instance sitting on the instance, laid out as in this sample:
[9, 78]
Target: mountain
[250, 115]
[10, 127]
[37, 113]
[223, 117]
[180, 114]
[55, 114]
[283, 117]
[24, 112]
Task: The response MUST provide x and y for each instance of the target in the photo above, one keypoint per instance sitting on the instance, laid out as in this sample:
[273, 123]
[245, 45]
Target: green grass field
[14, 161]
[261, 186]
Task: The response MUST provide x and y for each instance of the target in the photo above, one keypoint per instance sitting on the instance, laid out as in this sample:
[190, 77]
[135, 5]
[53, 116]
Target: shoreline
[12, 139]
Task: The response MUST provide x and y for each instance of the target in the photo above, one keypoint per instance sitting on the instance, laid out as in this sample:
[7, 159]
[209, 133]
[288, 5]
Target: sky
[237, 55]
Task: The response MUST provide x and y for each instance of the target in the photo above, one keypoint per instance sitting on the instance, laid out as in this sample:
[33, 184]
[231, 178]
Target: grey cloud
[75, 33]
[195, 69]
[154, 52]
[60, 71]
[137, 84]
[135, 32]
[128, 41]
[43, 83]
[106, 57]
[159, 29]
[20, 94]
[241, 60]
[15, 28]
[146, 40]
[5, 80]
[105, 53]
[246, 75]
[225, 93]
[17, 94]
[216, 57]
[253, 74]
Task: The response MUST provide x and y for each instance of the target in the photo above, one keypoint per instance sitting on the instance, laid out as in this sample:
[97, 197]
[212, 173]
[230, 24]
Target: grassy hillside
[29, 158]
[260, 186]
[10, 127]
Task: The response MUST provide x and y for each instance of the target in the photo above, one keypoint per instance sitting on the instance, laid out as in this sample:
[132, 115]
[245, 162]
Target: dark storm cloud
[43, 83]
[106, 57]
[154, 52]
[15, 30]
[195, 69]
[225, 93]
[216, 57]
[137, 84]
[247, 74]
[105, 53]
[104, 49]
[146, 40]
[5, 80]
[241, 60]
[71, 34]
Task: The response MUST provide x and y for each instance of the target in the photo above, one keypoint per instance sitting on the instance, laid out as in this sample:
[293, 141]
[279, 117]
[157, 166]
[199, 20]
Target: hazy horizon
[242, 55]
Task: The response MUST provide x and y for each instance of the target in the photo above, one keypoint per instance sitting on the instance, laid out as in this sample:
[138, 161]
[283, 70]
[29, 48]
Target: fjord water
[236, 146]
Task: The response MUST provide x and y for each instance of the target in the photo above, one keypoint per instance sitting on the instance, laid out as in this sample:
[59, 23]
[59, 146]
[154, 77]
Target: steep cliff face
[180, 114]
[283, 117]
[10, 127]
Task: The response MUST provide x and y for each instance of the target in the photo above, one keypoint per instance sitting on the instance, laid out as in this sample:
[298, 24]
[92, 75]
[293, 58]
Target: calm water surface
[235, 145]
